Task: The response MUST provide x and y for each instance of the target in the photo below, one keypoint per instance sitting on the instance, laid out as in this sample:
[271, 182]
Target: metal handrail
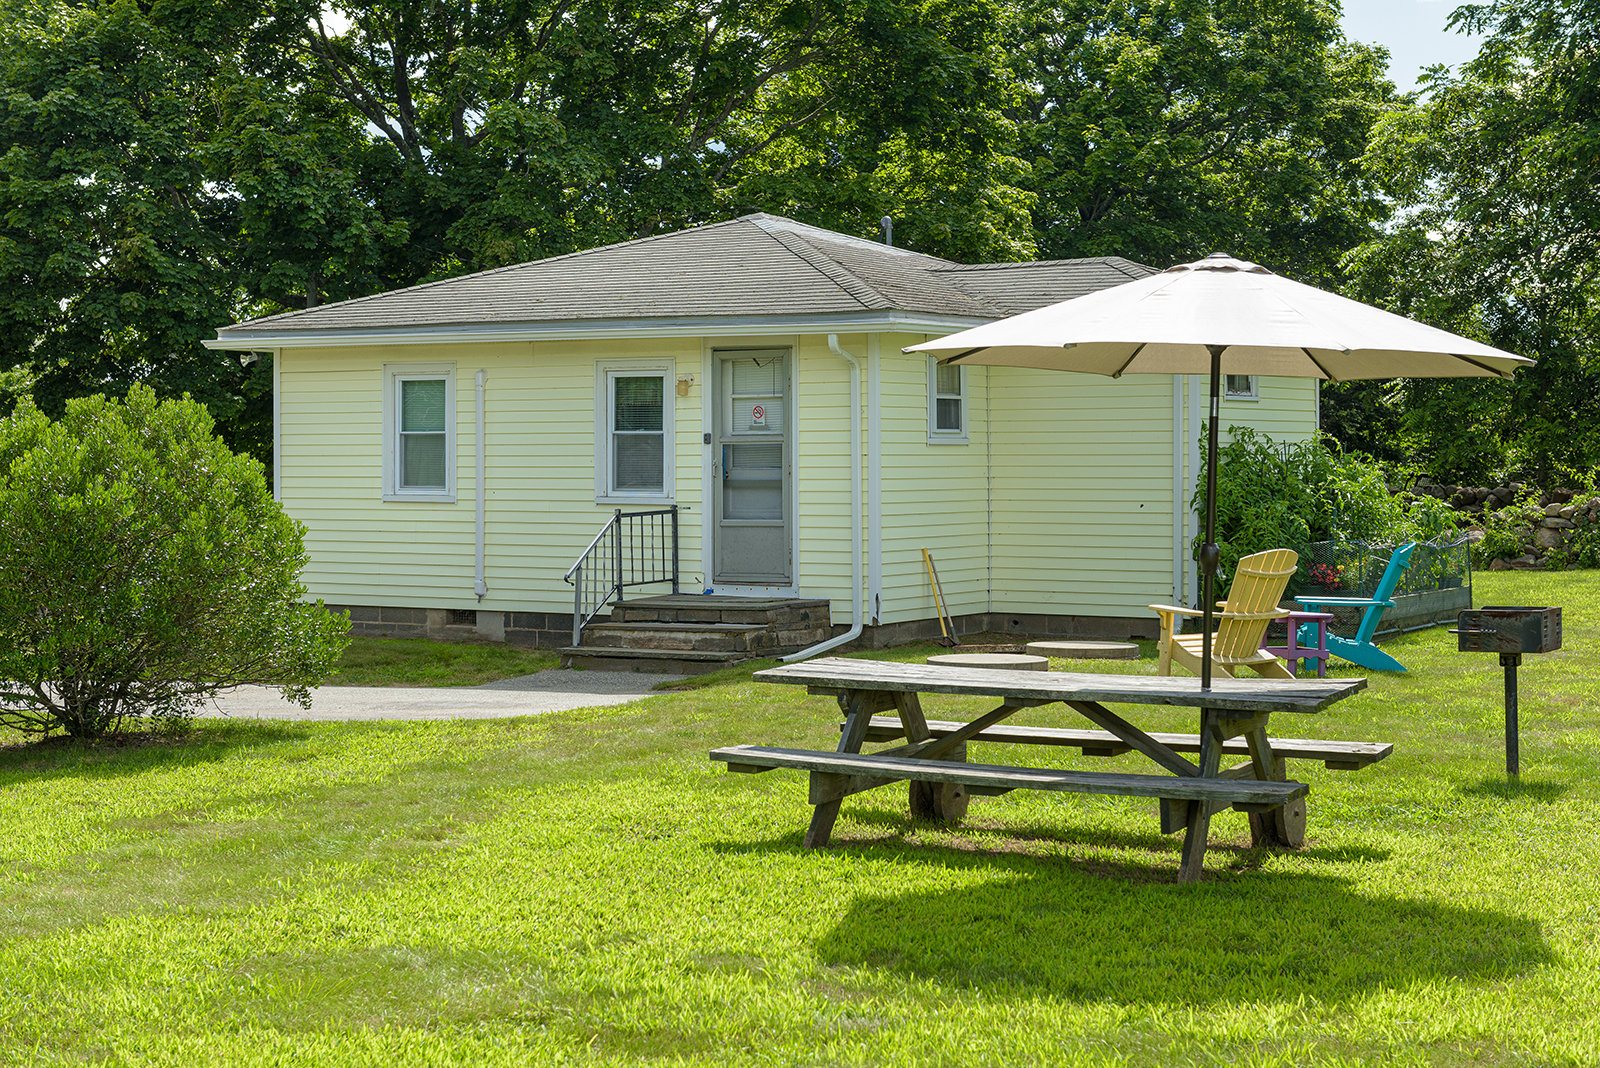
[631, 550]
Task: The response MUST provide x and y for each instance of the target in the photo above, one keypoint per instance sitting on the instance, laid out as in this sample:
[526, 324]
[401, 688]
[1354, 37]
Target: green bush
[1508, 531]
[143, 568]
[1287, 495]
[1583, 540]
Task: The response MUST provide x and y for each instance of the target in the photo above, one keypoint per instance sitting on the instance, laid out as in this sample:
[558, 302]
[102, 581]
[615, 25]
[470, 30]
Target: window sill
[622, 500]
[421, 498]
[949, 439]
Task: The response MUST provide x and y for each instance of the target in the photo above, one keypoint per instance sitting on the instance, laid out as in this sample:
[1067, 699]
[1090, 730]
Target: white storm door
[751, 468]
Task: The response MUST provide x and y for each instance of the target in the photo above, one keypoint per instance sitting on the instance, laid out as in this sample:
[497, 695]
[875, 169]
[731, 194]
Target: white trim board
[233, 339]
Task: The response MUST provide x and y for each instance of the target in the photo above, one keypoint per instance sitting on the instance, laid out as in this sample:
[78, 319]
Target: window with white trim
[419, 432]
[1240, 387]
[947, 403]
[633, 431]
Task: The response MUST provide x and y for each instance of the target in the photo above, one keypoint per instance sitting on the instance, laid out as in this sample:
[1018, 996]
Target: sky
[1413, 31]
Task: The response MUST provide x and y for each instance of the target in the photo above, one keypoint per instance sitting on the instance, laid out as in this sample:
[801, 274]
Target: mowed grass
[588, 888]
[418, 662]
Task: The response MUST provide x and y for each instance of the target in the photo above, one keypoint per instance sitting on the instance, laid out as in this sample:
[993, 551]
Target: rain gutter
[479, 586]
[857, 588]
[874, 479]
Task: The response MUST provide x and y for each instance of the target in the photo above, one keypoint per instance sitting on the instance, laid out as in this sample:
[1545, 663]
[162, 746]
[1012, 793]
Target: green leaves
[1498, 237]
[1290, 494]
[143, 567]
[1164, 131]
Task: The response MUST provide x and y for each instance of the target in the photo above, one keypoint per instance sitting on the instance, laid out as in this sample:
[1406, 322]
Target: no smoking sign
[758, 416]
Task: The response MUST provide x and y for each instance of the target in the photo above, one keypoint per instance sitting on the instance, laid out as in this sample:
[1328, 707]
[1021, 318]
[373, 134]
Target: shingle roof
[1022, 287]
[757, 265]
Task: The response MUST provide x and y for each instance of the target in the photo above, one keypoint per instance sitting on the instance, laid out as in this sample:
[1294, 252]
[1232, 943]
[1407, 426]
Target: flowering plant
[1328, 576]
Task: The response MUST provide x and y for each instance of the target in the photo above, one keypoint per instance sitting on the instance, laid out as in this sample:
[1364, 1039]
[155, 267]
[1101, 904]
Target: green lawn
[419, 662]
[588, 888]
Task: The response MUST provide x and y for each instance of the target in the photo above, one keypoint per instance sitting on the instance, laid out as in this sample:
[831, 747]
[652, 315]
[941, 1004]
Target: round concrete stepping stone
[1001, 661]
[1086, 650]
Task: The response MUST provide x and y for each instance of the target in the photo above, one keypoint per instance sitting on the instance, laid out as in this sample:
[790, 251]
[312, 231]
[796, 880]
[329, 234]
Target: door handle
[724, 463]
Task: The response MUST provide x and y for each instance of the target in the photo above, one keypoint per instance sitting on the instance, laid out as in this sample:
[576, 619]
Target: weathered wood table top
[1231, 708]
[832, 675]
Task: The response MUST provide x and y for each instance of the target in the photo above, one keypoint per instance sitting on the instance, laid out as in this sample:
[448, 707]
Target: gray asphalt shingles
[756, 265]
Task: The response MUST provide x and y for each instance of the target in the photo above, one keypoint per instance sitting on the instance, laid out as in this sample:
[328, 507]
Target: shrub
[1583, 540]
[1286, 496]
[1508, 531]
[143, 568]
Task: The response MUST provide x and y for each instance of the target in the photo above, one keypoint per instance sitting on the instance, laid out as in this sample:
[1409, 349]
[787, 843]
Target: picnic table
[1233, 720]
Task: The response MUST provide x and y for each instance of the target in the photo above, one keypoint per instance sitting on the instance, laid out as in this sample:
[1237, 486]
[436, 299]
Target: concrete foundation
[553, 630]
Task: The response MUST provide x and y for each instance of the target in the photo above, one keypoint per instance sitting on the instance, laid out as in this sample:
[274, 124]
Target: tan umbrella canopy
[1222, 316]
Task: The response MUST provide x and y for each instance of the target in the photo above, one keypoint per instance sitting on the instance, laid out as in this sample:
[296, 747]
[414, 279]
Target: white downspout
[1177, 489]
[874, 480]
[277, 424]
[479, 586]
[857, 588]
[1197, 413]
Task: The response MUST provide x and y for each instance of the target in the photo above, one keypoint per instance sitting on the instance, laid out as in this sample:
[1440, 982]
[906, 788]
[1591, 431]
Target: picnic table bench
[1234, 715]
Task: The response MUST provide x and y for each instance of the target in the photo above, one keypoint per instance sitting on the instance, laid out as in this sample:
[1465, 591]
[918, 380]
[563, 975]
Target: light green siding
[540, 508]
[1060, 501]
[935, 496]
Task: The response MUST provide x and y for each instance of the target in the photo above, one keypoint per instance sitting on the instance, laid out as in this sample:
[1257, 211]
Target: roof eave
[237, 340]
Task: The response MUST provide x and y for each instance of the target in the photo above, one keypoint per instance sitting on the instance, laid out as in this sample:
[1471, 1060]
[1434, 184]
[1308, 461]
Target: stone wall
[1563, 513]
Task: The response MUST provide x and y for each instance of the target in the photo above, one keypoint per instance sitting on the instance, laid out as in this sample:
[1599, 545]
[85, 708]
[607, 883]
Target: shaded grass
[419, 662]
[587, 888]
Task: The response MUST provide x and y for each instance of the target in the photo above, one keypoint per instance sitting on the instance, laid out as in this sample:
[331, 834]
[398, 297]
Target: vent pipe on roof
[888, 230]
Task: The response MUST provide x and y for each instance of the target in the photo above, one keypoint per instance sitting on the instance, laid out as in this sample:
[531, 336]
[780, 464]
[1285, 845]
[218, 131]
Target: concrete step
[739, 638]
[654, 661]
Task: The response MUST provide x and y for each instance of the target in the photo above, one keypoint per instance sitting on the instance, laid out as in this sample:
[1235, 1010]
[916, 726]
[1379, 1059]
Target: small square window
[419, 432]
[638, 447]
[633, 431]
[947, 403]
[1240, 387]
[422, 433]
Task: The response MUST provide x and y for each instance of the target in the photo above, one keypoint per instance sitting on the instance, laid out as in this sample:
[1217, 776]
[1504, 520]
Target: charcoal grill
[1511, 632]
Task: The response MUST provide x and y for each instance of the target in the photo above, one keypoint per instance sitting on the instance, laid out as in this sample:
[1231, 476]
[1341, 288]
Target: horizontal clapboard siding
[541, 510]
[1060, 502]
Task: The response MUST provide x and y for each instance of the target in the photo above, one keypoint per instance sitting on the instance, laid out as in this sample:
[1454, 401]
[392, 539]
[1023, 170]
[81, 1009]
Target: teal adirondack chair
[1360, 650]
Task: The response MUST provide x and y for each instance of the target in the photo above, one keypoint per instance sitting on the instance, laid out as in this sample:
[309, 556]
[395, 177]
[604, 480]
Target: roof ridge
[1109, 261]
[826, 266]
[480, 274]
[801, 229]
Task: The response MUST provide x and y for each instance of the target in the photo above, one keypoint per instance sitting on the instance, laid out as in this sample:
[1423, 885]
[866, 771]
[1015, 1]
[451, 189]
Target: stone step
[783, 613]
[653, 661]
[708, 637]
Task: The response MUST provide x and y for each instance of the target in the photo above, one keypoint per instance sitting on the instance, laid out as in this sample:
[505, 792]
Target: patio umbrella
[1222, 316]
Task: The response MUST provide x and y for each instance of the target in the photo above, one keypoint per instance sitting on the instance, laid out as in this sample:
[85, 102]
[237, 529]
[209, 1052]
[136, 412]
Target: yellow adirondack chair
[1258, 585]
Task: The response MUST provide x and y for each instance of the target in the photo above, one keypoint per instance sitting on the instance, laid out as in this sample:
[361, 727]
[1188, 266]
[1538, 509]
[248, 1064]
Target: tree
[528, 128]
[1496, 177]
[143, 568]
[166, 169]
[145, 187]
[1163, 130]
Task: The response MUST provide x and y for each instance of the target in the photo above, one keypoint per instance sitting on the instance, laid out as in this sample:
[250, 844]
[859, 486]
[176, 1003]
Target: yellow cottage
[459, 451]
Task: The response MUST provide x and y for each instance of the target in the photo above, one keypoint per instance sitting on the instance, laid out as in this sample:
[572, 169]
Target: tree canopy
[170, 166]
[1495, 175]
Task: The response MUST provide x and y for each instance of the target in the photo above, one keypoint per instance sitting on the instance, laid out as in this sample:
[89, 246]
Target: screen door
[751, 469]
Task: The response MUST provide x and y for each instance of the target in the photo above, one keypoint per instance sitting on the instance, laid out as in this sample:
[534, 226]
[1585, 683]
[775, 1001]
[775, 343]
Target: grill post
[1509, 661]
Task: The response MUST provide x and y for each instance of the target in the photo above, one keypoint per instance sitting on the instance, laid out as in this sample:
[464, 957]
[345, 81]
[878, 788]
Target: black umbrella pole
[1210, 555]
